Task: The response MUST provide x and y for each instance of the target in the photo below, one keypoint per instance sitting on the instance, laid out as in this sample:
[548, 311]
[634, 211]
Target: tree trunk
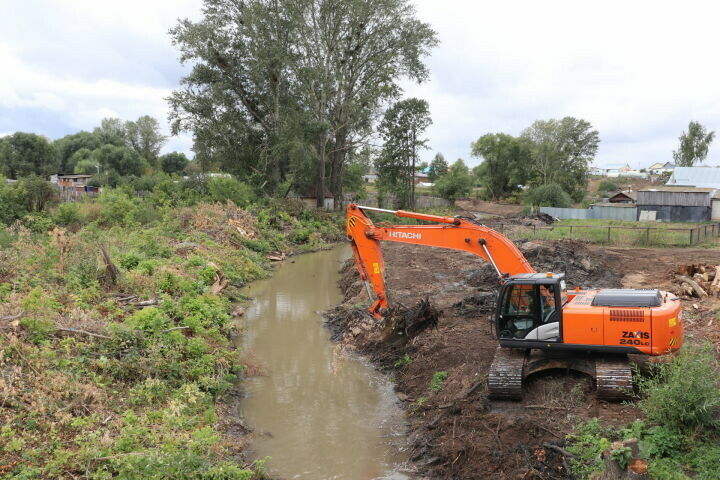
[320, 190]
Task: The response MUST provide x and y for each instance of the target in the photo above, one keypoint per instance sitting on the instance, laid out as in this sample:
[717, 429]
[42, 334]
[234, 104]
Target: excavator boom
[451, 232]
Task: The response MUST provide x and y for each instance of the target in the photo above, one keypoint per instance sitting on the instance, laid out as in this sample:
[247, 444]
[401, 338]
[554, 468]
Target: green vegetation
[620, 232]
[681, 400]
[694, 145]
[405, 360]
[607, 186]
[548, 195]
[286, 91]
[437, 381]
[402, 130]
[546, 153]
[456, 183]
[98, 384]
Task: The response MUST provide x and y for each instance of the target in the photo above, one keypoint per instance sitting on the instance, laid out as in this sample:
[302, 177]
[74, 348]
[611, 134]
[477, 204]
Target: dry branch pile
[697, 280]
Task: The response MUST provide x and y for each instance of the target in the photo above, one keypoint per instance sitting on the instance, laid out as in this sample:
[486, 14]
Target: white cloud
[638, 71]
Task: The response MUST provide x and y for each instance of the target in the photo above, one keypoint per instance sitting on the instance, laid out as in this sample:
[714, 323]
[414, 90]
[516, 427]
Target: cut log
[716, 280]
[696, 288]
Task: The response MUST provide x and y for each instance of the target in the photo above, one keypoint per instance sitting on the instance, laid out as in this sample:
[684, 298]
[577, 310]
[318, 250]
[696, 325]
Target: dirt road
[455, 432]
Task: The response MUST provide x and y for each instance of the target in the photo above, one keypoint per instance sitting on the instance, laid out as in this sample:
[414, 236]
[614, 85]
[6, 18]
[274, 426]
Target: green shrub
[67, 215]
[117, 208]
[437, 380]
[456, 183]
[129, 260]
[684, 394]
[660, 441]
[222, 189]
[38, 222]
[550, 195]
[608, 186]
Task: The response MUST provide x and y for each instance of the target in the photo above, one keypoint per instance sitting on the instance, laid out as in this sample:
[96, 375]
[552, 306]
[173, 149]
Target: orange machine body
[650, 330]
[583, 325]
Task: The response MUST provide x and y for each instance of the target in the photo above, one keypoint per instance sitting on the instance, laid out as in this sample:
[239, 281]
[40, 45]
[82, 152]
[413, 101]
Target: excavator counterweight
[539, 323]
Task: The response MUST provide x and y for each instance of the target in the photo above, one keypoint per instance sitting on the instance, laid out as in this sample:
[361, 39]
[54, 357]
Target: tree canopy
[694, 145]
[288, 90]
[505, 163]
[402, 130]
[561, 152]
[438, 167]
[23, 154]
[456, 183]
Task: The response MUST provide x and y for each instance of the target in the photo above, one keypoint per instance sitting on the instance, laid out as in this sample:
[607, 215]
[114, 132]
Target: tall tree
[561, 152]
[694, 145]
[402, 130]
[438, 167]
[505, 163]
[277, 85]
[456, 183]
[145, 138]
[173, 162]
[111, 131]
[26, 154]
[69, 144]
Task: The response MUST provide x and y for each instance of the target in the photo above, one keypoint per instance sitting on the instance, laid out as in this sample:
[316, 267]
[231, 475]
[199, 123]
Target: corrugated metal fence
[596, 212]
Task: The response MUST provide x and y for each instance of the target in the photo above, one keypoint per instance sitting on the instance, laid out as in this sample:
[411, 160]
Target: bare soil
[456, 432]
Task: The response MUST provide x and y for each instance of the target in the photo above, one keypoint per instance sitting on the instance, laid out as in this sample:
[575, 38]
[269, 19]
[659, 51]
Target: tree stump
[636, 470]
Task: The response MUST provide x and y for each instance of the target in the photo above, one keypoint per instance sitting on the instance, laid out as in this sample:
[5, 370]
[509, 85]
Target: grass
[680, 435]
[94, 387]
[621, 232]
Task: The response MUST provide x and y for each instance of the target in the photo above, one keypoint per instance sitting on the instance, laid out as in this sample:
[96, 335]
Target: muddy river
[318, 413]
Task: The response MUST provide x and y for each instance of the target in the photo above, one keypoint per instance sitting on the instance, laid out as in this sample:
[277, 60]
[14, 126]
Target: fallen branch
[546, 406]
[10, 318]
[174, 328]
[83, 332]
[693, 284]
[146, 303]
[560, 450]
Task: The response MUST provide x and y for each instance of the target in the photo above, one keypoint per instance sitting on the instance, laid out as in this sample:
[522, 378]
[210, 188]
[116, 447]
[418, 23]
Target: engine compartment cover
[613, 297]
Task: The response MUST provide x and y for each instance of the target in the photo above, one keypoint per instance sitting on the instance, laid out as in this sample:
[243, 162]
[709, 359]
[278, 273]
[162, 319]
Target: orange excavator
[540, 324]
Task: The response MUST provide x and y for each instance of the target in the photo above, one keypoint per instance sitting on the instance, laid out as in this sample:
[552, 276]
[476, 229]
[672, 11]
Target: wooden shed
[676, 204]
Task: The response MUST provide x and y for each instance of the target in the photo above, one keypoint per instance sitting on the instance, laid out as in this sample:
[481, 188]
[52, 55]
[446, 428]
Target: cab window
[521, 300]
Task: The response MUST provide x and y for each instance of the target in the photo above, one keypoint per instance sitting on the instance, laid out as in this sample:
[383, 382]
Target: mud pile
[582, 266]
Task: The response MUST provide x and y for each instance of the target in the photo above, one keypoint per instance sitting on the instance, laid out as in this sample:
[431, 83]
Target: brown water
[318, 413]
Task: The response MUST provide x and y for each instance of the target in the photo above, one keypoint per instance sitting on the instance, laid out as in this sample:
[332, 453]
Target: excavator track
[505, 378]
[613, 378]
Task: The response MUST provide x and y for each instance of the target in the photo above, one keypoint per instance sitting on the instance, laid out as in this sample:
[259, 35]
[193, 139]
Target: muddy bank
[454, 431]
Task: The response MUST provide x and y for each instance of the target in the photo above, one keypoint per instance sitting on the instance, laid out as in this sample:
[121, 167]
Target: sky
[637, 71]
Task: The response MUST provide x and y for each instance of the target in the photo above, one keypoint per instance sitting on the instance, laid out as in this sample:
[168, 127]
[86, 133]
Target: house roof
[632, 195]
[74, 176]
[671, 188]
[695, 177]
[657, 165]
[615, 205]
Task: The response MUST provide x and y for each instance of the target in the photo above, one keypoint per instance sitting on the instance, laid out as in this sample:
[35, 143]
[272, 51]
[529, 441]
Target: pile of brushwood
[115, 323]
[697, 280]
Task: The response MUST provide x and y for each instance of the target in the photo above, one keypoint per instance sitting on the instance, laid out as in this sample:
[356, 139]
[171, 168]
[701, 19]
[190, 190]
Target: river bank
[115, 321]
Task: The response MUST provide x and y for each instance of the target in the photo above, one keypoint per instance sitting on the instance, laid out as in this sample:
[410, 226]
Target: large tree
[561, 152]
[67, 146]
[505, 163]
[26, 154]
[402, 130]
[145, 138]
[438, 167]
[694, 145]
[278, 86]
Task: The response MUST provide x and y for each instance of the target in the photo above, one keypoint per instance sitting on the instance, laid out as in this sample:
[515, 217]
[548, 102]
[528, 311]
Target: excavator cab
[529, 308]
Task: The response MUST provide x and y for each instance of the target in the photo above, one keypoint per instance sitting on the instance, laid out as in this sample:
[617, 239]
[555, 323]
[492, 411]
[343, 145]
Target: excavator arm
[451, 233]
